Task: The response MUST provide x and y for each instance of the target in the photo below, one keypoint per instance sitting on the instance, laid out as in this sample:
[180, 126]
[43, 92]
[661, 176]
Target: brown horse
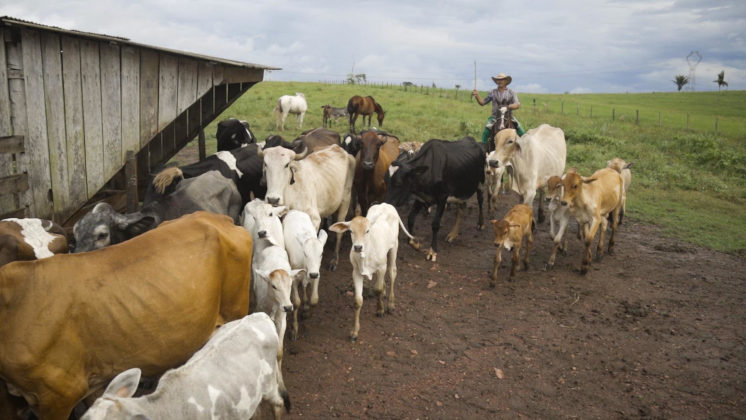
[503, 121]
[357, 105]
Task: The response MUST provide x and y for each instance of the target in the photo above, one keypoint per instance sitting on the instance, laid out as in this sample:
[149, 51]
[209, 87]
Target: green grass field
[691, 182]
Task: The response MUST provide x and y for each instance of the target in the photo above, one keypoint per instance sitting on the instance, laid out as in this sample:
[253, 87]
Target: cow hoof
[353, 338]
[480, 226]
[451, 237]
[390, 310]
[548, 266]
[379, 314]
[415, 243]
[293, 336]
[431, 255]
[493, 284]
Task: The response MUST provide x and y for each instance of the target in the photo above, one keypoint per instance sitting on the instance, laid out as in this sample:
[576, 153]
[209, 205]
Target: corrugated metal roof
[11, 21]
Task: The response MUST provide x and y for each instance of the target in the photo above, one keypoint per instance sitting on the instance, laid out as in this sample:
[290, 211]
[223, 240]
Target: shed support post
[201, 145]
[130, 173]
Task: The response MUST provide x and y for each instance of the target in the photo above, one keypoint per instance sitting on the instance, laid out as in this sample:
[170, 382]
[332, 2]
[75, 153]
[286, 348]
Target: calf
[517, 224]
[593, 201]
[304, 248]
[271, 286]
[228, 378]
[375, 243]
[103, 226]
[30, 239]
[262, 220]
[622, 167]
[330, 112]
[559, 217]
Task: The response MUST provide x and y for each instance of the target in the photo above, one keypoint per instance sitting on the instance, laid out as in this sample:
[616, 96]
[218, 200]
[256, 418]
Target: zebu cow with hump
[375, 151]
[320, 184]
[441, 169]
[30, 239]
[534, 157]
[103, 226]
[71, 322]
[227, 378]
[232, 134]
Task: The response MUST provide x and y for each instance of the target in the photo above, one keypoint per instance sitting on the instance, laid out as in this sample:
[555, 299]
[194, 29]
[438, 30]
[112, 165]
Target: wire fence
[613, 113]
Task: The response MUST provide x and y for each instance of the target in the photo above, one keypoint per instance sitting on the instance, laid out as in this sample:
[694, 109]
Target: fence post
[562, 107]
[637, 116]
[613, 114]
[687, 120]
[716, 124]
[577, 109]
[591, 111]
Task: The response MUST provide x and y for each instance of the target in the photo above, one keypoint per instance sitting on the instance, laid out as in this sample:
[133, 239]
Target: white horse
[293, 105]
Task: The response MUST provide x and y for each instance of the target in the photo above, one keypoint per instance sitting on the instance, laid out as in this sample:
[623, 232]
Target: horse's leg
[300, 118]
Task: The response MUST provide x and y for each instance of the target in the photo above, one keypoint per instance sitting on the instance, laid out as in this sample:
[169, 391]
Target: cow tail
[413, 242]
[165, 178]
[533, 224]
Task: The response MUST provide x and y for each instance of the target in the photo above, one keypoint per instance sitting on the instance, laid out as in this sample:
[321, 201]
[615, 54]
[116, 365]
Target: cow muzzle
[358, 248]
[273, 200]
[493, 163]
[313, 275]
[368, 165]
[262, 234]
[564, 203]
[287, 308]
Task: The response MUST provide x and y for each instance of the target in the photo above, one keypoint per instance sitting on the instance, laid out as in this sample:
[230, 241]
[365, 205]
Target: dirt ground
[655, 331]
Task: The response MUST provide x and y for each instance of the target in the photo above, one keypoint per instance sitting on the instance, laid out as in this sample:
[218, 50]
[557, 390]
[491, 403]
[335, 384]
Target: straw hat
[502, 76]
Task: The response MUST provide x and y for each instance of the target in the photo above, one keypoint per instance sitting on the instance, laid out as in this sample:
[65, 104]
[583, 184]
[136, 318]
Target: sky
[575, 46]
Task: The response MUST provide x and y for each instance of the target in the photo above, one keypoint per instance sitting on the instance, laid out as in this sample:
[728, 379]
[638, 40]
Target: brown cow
[72, 322]
[622, 167]
[517, 224]
[377, 149]
[30, 239]
[591, 201]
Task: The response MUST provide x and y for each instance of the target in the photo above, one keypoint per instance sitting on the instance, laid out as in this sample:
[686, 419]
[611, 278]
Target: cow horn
[301, 155]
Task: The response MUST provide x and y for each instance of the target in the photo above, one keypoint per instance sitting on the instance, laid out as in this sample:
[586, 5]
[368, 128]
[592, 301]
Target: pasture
[691, 183]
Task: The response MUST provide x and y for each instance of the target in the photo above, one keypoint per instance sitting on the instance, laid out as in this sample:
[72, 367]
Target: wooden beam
[15, 214]
[13, 184]
[201, 144]
[11, 144]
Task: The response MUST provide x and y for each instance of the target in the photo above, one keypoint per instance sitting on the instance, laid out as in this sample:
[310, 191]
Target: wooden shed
[73, 104]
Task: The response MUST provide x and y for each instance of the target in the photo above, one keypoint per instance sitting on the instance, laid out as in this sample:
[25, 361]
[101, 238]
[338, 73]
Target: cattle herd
[201, 280]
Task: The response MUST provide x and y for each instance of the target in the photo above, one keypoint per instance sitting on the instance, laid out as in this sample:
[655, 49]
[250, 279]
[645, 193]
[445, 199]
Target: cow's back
[548, 150]
[150, 302]
[606, 192]
[464, 166]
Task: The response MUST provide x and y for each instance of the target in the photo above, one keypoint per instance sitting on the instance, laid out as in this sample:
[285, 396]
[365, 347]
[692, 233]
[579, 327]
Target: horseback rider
[501, 97]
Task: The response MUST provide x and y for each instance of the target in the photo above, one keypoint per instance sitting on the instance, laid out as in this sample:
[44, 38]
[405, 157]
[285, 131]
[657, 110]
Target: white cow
[537, 155]
[375, 243]
[304, 249]
[293, 105]
[319, 185]
[262, 220]
[227, 378]
[272, 282]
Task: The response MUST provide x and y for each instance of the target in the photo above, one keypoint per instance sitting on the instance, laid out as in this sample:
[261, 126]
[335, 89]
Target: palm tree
[680, 81]
[721, 80]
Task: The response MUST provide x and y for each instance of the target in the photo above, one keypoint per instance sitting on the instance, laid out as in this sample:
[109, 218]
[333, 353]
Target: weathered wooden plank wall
[70, 108]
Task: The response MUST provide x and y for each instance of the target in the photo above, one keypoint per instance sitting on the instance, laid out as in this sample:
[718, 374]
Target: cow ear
[588, 180]
[124, 385]
[298, 275]
[281, 210]
[102, 207]
[629, 165]
[493, 222]
[340, 227]
[135, 223]
[323, 237]
[262, 274]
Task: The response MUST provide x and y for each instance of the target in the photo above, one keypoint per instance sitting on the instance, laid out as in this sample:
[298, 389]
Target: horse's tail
[351, 106]
[278, 107]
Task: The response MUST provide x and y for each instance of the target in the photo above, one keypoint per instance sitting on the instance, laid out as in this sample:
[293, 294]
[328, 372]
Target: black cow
[103, 226]
[233, 133]
[241, 165]
[441, 169]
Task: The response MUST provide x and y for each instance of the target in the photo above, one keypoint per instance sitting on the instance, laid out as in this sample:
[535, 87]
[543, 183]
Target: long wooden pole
[475, 77]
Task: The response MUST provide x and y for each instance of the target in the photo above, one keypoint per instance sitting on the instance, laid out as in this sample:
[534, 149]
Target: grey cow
[103, 226]
[228, 378]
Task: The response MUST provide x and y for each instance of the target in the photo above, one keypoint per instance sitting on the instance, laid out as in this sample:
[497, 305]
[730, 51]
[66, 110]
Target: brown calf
[509, 233]
[591, 201]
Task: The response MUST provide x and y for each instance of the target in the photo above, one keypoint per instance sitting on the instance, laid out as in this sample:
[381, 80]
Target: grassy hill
[691, 182]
